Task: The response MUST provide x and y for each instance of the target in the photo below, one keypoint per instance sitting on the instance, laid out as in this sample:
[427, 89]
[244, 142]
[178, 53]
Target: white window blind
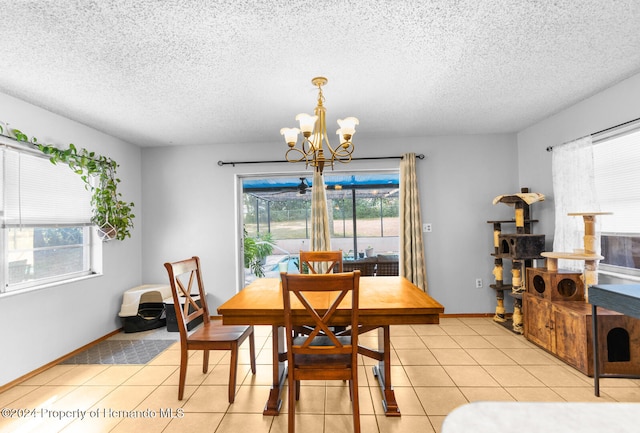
[36, 192]
[617, 179]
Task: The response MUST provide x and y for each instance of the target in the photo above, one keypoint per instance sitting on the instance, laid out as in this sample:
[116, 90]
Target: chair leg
[291, 416]
[252, 351]
[205, 361]
[356, 407]
[184, 357]
[233, 369]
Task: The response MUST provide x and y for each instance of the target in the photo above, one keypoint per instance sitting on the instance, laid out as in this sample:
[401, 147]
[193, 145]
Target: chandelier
[314, 136]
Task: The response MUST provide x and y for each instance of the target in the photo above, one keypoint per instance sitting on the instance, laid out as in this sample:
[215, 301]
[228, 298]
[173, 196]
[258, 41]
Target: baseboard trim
[55, 362]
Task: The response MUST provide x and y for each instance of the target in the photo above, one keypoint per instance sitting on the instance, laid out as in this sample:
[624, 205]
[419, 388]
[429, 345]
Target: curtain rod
[221, 163]
[550, 148]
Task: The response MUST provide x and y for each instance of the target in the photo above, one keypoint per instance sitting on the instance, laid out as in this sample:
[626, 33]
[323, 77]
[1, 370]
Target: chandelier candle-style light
[314, 132]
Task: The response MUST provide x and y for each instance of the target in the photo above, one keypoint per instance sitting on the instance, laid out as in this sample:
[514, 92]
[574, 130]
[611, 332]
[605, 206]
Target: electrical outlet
[426, 227]
[478, 283]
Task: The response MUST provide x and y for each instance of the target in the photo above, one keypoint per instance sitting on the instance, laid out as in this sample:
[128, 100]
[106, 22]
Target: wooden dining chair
[190, 305]
[313, 300]
[311, 260]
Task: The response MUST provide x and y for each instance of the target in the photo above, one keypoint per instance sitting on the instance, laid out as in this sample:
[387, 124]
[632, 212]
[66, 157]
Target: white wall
[189, 204]
[613, 106]
[41, 326]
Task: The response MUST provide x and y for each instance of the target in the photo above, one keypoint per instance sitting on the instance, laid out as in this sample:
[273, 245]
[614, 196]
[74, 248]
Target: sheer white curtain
[412, 263]
[320, 233]
[574, 191]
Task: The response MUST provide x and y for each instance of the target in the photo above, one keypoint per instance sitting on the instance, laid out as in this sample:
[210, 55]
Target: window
[363, 213]
[45, 228]
[617, 180]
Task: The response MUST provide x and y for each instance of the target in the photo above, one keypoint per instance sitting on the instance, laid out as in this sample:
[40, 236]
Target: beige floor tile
[585, 393]
[531, 356]
[492, 328]
[407, 342]
[404, 424]
[264, 356]
[451, 321]
[48, 375]
[154, 375]
[558, 376]
[407, 400]
[533, 394]
[215, 357]
[307, 423]
[82, 398]
[78, 375]
[344, 424]
[123, 398]
[461, 329]
[245, 422]
[436, 422]
[250, 399]
[15, 393]
[471, 342]
[512, 375]
[453, 357]
[509, 342]
[428, 376]
[629, 395]
[166, 397]
[42, 396]
[617, 382]
[440, 400]
[429, 330]
[440, 341]
[208, 398]
[312, 399]
[416, 357]
[486, 394]
[114, 375]
[167, 357]
[219, 375]
[398, 377]
[146, 425]
[194, 422]
[463, 375]
[401, 330]
[338, 401]
[490, 357]
[366, 396]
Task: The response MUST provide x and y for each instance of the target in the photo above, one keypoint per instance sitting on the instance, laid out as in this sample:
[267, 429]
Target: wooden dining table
[384, 301]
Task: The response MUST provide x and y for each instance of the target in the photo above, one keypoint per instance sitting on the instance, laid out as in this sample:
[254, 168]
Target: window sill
[48, 285]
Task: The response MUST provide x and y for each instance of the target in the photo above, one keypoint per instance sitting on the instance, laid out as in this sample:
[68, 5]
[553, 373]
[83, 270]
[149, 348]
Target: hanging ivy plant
[112, 215]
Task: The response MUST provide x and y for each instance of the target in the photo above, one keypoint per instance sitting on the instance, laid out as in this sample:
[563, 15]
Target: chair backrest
[313, 300]
[311, 261]
[189, 302]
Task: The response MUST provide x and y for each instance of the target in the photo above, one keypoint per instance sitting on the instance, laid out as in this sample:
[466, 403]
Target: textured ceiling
[160, 72]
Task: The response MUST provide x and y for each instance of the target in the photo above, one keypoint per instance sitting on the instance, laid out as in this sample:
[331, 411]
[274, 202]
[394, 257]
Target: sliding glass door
[276, 212]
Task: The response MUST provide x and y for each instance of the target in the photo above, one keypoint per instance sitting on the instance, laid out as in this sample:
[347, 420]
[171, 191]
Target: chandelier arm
[293, 157]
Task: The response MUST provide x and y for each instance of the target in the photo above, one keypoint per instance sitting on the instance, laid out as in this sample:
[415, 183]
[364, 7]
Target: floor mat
[121, 352]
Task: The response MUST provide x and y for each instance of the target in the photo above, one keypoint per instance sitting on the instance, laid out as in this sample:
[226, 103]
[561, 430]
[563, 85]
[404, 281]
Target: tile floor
[436, 368]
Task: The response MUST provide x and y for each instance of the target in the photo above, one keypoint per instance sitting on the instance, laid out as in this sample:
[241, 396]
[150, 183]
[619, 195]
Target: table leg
[382, 372]
[279, 372]
[596, 363]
